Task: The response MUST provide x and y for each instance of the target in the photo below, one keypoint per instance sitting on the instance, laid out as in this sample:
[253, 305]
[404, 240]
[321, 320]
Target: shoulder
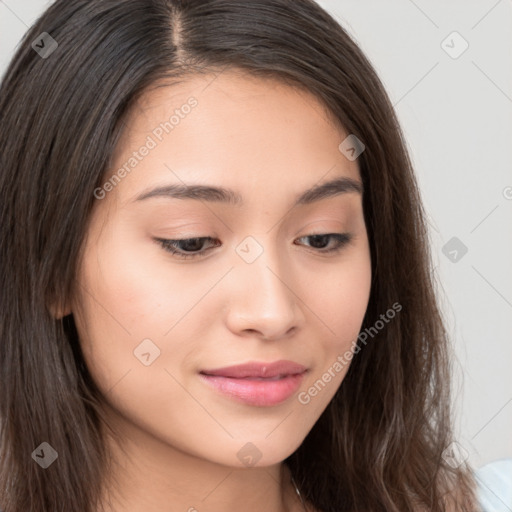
[494, 486]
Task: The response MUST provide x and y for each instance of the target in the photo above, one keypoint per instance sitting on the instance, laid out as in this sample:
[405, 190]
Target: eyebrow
[211, 193]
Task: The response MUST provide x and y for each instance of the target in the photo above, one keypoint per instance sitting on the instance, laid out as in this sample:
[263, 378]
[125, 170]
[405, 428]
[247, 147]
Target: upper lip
[258, 369]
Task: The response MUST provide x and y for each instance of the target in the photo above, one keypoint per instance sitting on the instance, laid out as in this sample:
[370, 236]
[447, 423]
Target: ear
[59, 311]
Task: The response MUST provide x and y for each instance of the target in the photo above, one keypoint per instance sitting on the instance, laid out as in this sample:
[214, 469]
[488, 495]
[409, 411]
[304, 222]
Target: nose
[264, 299]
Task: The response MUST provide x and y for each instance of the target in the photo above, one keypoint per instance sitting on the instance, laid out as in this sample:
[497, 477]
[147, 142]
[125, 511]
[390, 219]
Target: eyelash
[343, 239]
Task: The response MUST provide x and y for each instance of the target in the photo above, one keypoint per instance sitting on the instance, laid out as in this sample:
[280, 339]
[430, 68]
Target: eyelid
[343, 240]
[169, 245]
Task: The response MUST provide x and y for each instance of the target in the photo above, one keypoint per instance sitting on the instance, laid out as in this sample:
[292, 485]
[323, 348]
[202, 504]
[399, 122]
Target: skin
[269, 142]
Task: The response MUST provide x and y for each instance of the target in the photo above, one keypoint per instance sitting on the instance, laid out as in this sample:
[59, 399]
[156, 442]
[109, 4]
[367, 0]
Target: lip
[255, 383]
[256, 369]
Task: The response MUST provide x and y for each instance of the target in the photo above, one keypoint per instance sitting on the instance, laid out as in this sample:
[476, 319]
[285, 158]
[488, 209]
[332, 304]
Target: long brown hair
[380, 443]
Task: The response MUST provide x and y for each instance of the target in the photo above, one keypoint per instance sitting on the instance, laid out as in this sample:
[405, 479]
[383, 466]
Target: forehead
[231, 128]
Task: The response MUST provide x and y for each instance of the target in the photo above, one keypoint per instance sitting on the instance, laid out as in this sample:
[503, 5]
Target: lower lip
[262, 393]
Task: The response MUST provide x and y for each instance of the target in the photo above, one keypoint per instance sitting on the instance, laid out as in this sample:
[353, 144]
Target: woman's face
[256, 285]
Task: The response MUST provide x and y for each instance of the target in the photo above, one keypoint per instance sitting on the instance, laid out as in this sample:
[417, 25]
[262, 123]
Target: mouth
[257, 384]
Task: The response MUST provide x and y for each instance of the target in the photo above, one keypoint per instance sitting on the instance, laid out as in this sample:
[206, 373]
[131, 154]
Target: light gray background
[457, 117]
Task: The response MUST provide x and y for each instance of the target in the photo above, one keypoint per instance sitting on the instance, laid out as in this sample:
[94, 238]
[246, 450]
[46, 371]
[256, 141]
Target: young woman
[215, 271]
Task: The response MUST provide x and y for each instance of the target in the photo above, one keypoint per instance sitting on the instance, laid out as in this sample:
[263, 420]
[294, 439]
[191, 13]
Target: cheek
[132, 302]
[114, 309]
[339, 297]
[339, 305]
[132, 281]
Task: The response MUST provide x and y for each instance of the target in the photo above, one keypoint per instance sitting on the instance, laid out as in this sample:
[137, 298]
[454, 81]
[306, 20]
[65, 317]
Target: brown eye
[186, 248]
[321, 241]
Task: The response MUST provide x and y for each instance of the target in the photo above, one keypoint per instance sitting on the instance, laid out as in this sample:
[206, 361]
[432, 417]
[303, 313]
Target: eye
[187, 248]
[181, 247]
[321, 240]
